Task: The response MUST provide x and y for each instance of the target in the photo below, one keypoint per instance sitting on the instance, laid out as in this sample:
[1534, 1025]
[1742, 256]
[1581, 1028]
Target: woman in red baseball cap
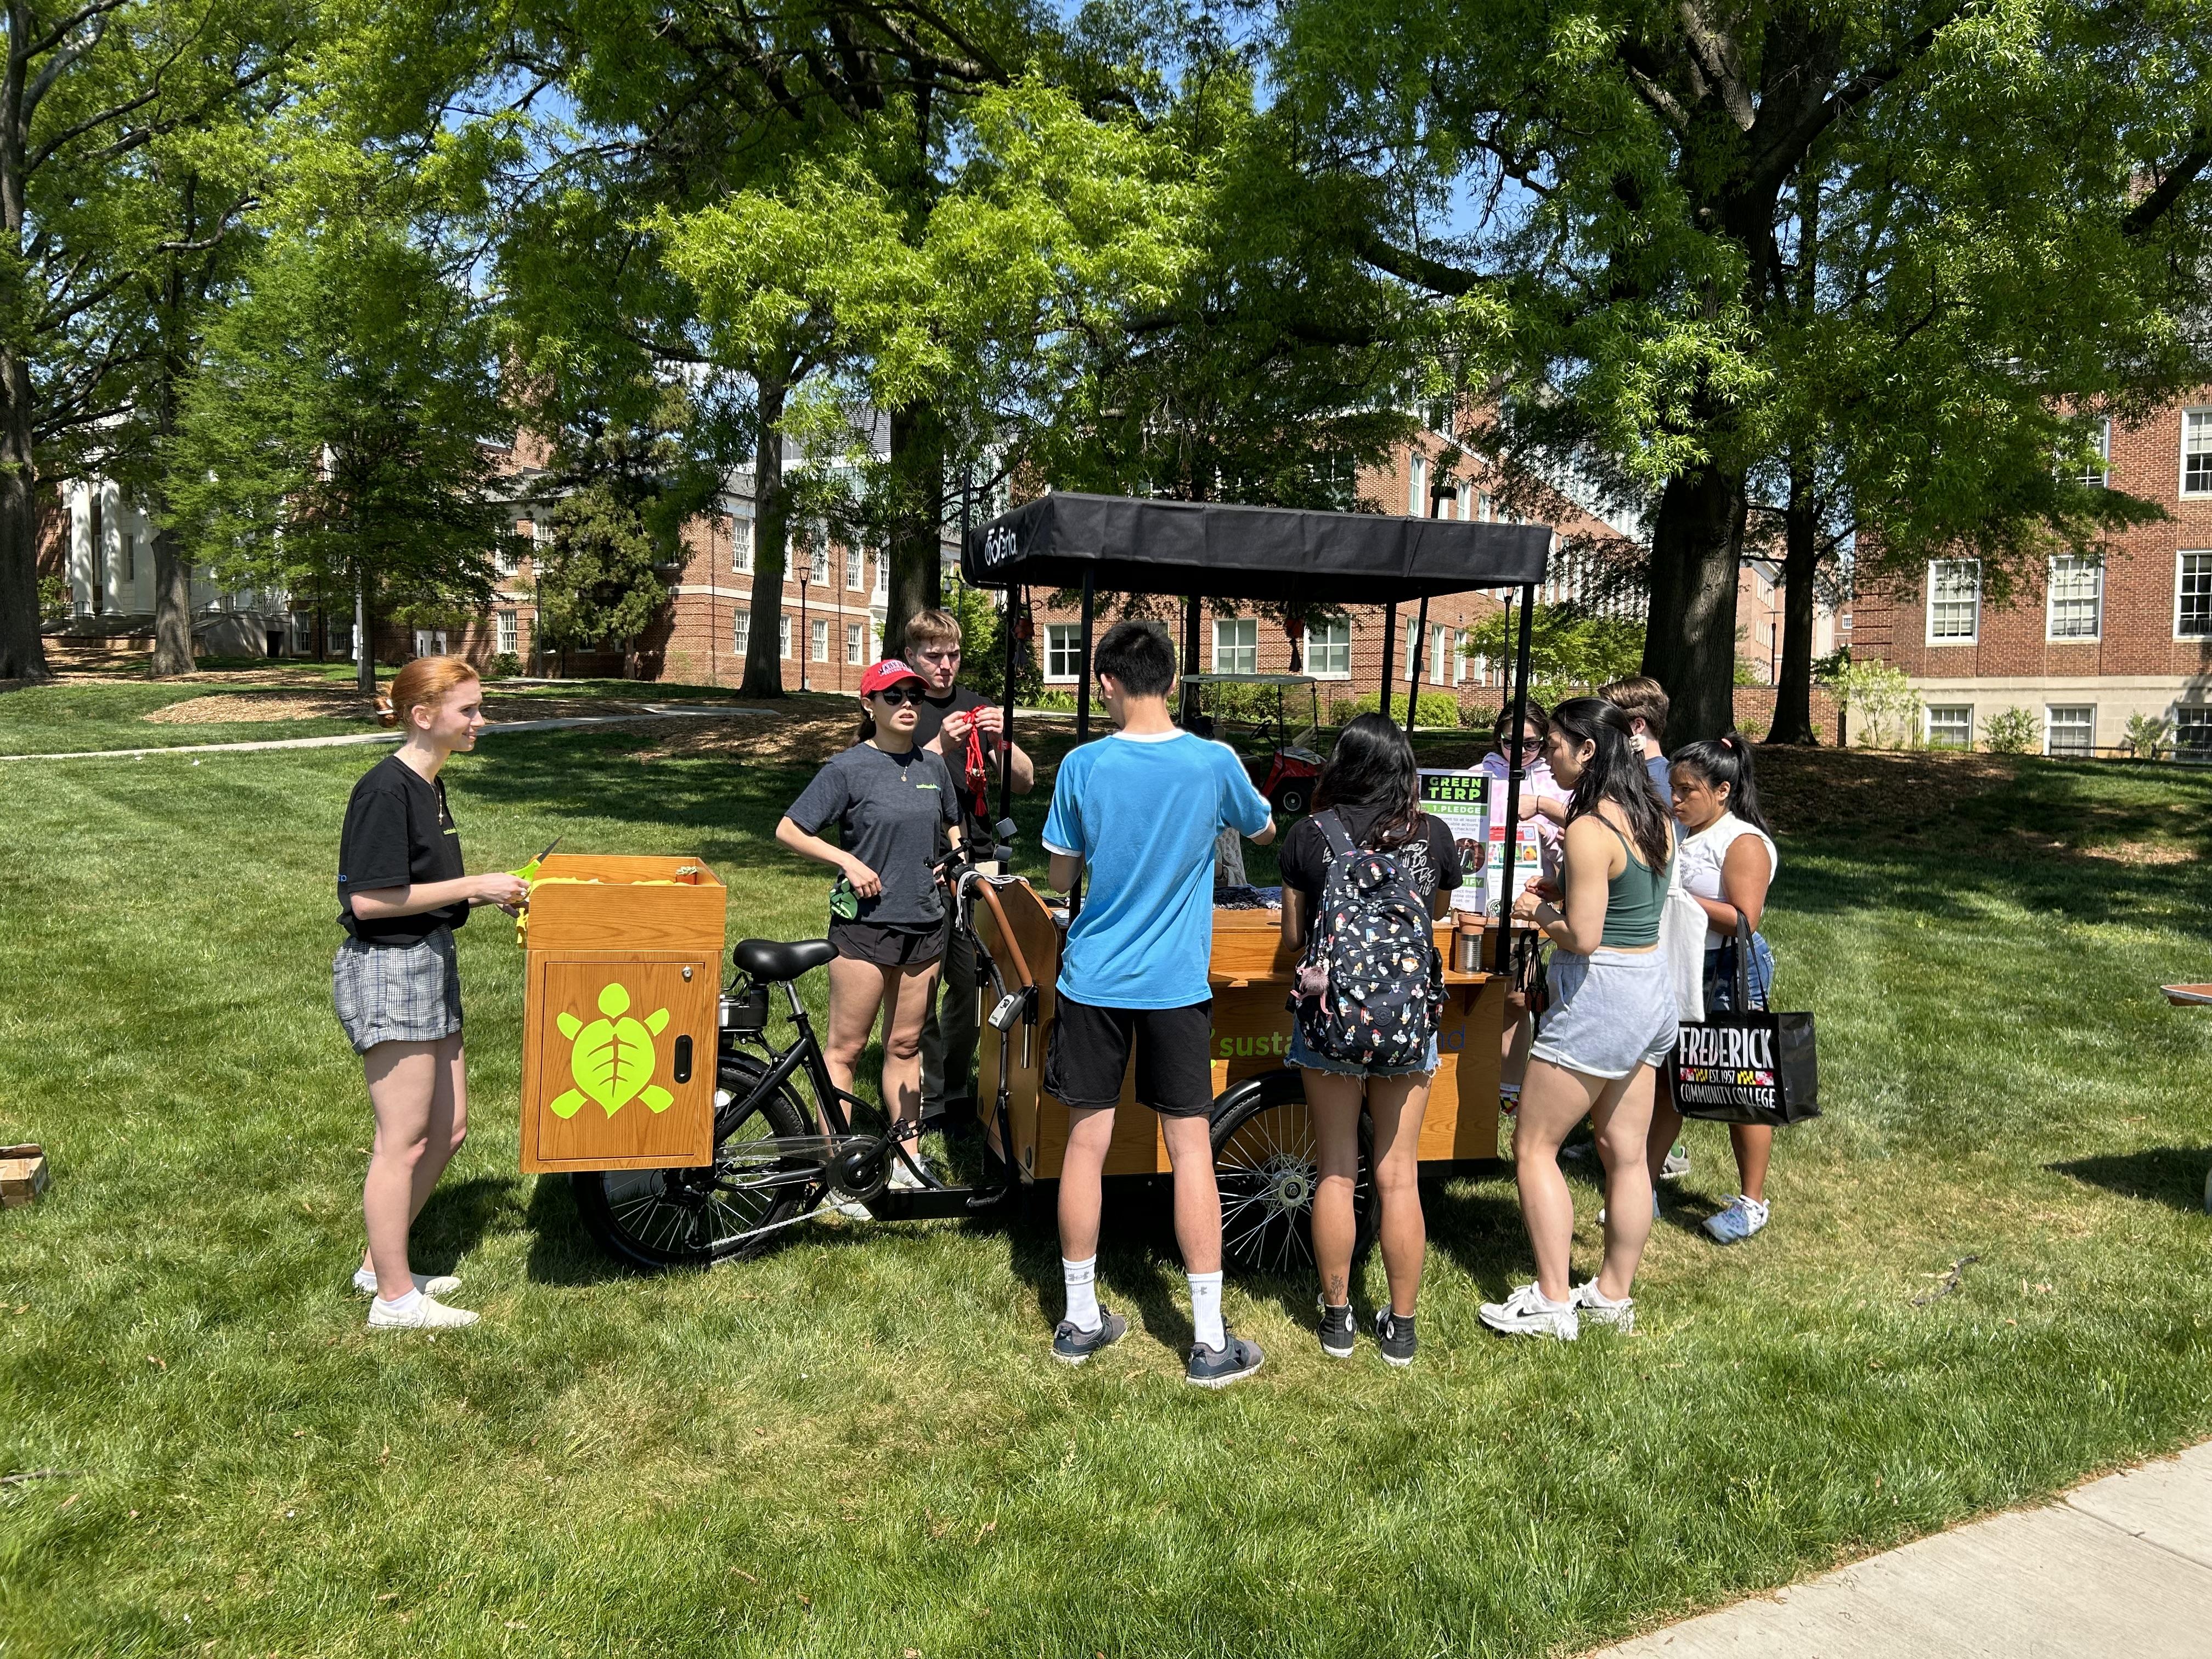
[890, 800]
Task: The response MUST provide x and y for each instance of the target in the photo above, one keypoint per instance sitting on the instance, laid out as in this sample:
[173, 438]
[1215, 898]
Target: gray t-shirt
[887, 809]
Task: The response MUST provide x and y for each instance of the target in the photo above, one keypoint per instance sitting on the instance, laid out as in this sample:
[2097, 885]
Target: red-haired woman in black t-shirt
[401, 893]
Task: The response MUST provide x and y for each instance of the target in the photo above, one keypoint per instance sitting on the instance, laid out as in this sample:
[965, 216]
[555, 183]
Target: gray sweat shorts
[397, 992]
[1611, 1012]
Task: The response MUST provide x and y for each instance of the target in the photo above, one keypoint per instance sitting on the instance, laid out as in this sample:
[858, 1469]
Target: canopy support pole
[1390, 658]
[1188, 701]
[1006, 729]
[1513, 777]
[1414, 665]
[1083, 662]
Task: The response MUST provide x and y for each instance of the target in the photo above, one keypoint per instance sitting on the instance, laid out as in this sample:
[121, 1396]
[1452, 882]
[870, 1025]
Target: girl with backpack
[1611, 1023]
[1368, 871]
[1728, 859]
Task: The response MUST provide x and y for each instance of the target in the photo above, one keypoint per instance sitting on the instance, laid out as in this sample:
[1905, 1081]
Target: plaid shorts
[397, 992]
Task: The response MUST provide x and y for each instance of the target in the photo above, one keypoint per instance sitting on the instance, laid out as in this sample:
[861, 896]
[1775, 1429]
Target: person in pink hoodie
[1545, 802]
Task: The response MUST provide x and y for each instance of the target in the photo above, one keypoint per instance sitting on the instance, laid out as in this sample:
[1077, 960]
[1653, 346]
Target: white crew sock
[406, 1303]
[1081, 1278]
[1205, 1309]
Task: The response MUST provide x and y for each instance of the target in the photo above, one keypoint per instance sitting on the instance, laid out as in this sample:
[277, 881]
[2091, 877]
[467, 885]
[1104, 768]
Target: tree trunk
[364, 641]
[771, 535]
[917, 519]
[22, 654]
[1801, 559]
[173, 606]
[1689, 647]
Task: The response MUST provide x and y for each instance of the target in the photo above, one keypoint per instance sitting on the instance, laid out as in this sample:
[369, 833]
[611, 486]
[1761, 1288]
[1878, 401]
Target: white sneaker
[853, 1210]
[904, 1179]
[429, 1285]
[1529, 1312]
[1592, 1304]
[425, 1316]
[1742, 1217]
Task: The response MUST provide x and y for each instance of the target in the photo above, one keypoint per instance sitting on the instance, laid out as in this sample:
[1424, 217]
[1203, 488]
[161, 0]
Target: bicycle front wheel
[658, 1219]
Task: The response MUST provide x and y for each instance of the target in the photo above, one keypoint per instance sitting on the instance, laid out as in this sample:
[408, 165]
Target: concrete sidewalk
[2121, 1566]
[492, 728]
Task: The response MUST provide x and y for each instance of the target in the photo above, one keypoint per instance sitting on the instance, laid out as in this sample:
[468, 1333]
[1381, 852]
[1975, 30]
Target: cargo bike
[777, 1142]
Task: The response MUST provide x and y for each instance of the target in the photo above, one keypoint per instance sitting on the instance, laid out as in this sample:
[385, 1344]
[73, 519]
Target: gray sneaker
[1396, 1337]
[1072, 1347]
[1217, 1368]
[1676, 1164]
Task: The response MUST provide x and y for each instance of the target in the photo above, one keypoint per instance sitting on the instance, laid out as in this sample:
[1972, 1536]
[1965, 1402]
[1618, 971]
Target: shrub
[504, 666]
[2009, 732]
[1437, 708]
[1753, 729]
[2146, 736]
[55, 600]
[1884, 707]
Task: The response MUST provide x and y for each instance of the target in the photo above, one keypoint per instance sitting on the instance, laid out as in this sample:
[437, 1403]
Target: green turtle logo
[613, 1058]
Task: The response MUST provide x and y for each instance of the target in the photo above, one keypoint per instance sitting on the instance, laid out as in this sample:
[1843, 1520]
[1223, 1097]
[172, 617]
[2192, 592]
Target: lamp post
[805, 638]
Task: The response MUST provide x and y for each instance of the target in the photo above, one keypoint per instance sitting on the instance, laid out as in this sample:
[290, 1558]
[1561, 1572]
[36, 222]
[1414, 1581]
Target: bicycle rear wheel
[658, 1219]
[1267, 1165]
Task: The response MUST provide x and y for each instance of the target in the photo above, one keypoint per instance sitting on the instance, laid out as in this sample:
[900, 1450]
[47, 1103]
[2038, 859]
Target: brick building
[2082, 642]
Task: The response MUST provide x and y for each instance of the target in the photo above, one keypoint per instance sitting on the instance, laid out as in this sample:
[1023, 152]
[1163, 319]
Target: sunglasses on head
[895, 696]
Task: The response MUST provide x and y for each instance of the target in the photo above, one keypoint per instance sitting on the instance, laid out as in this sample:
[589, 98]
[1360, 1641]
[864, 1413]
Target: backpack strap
[1333, 831]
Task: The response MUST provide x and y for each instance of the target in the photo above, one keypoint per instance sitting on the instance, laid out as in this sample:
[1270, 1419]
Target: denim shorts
[1303, 1056]
[1610, 1012]
[1720, 975]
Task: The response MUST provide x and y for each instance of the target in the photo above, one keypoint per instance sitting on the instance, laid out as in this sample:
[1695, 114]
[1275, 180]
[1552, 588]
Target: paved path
[647, 713]
[2122, 1566]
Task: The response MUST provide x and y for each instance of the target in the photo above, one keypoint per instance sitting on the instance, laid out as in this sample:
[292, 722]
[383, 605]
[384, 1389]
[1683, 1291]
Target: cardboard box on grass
[23, 1174]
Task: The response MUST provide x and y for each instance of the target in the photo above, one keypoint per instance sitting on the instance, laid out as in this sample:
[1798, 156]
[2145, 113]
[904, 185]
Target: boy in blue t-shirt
[1141, 809]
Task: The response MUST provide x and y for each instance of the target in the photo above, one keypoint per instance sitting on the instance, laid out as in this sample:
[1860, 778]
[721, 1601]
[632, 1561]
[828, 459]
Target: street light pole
[804, 637]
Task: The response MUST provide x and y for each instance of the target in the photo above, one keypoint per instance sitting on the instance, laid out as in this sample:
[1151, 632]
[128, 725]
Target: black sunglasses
[896, 696]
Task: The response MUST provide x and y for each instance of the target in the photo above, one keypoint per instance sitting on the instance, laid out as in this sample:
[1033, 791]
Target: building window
[1460, 643]
[2099, 476]
[1465, 506]
[510, 635]
[2192, 596]
[1328, 650]
[2070, 729]
[2192, 732]
[783, 636]
[1950, 727]
[1483, 510]
[1063, 652]
[883, 577]
[1417, 490]
[856, 643]
[2077, 587]
[1954, 601]
[341, 640]
[130, 558]
[303, 633]
[817, 567]
[741, 633]
[852, 568]
[1235, 646]
[1439, 654]
[817, 641]
[741, 546]
[2196, 453]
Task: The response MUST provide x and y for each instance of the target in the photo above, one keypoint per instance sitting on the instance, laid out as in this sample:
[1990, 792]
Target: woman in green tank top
[1610, 1024]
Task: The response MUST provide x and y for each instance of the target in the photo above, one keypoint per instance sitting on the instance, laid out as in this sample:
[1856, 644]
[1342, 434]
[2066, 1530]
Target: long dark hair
[1726, 760]
[1372, 765]
[1615, 774]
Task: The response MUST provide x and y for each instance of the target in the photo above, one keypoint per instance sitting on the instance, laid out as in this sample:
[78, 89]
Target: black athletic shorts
[1088, 1055]
[887, 947]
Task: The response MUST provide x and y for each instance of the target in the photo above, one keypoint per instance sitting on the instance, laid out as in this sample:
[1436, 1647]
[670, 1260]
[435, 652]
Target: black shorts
[1088, 1055]
[887, 947]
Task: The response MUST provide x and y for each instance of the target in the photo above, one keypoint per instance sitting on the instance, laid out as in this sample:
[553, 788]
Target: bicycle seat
[768, 960]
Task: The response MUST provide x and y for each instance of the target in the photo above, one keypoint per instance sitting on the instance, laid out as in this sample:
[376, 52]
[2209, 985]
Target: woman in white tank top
[1728, 861]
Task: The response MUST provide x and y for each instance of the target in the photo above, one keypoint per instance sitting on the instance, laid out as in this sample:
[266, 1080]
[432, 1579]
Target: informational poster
[1464, 801]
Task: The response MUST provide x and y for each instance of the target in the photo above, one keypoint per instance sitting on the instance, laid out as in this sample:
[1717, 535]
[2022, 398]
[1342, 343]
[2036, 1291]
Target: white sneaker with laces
[1529, 1312]
[429, 1285]
[904, 1179]
[1593, 1306]
[1742, 1217]
[425, 1316]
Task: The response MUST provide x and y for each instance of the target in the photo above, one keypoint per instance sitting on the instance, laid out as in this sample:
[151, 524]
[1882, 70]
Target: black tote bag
[1750, 1066]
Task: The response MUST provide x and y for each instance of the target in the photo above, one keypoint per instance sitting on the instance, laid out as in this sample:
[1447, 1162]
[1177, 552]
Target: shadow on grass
[560, 1251]
[2166, 1175]
[458, 1216]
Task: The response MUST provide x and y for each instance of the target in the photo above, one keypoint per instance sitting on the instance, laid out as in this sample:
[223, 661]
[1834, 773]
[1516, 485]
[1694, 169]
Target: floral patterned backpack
[1370, 984]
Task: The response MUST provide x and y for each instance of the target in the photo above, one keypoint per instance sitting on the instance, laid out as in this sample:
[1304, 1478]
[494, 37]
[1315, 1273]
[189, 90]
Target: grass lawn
[858, 1445]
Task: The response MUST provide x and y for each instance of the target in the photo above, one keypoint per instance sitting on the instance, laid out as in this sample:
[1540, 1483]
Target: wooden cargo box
[621, 999]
